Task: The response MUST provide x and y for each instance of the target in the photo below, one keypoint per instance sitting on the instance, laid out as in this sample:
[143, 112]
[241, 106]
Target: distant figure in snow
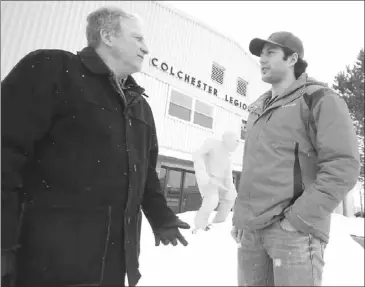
[213, 171]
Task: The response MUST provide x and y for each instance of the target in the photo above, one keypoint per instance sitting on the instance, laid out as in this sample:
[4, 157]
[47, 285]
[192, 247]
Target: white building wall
[26, 26]
[172, 38]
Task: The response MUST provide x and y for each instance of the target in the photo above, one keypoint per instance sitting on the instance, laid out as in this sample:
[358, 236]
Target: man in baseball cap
[301, 159]
[280, 55]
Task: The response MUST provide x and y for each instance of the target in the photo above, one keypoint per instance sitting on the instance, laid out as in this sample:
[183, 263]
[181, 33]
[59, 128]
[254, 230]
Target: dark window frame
[243, 130]
[216, 68]
[244, 83]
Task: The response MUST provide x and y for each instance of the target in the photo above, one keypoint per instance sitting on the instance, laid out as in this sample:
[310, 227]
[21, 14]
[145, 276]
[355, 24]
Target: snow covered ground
[210, 257]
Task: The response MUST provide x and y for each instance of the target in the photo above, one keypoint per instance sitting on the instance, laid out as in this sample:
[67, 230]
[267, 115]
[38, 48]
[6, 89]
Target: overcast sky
[332, 31]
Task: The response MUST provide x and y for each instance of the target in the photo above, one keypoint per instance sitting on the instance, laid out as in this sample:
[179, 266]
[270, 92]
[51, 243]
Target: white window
[180, 105]
[241, 87]
[217, 73]
[188, 109]
[203, 114]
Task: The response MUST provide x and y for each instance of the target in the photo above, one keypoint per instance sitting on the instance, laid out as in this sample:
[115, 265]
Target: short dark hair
[300, 66]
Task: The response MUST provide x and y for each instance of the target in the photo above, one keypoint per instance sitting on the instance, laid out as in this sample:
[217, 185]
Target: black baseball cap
[282, 39]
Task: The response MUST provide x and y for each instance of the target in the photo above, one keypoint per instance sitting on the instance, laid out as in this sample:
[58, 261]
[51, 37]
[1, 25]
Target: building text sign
[189, 79]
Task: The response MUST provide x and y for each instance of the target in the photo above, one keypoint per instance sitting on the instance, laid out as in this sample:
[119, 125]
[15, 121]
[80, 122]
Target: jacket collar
[287, 96]
[93, 62]
[96, 65]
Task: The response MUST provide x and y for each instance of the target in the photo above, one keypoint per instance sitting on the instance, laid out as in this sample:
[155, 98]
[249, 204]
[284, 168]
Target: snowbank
[344, 257]
[210, 257]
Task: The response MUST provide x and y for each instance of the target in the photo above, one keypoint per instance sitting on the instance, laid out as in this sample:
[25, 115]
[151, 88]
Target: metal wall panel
[173, 37]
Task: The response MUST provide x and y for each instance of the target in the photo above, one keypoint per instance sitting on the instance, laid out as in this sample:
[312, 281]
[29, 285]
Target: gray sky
[332, 31]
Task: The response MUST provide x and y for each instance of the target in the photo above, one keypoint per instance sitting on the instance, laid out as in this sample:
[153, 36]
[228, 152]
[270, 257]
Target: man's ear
[293, 59]
[106, 37]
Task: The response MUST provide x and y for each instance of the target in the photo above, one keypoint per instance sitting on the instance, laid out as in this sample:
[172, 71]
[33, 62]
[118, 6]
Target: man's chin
[137, 68]
[266, 79]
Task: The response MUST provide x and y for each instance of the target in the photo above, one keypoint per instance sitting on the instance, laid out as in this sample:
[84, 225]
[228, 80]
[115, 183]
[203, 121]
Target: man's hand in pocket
[236, 234]
[286, 225]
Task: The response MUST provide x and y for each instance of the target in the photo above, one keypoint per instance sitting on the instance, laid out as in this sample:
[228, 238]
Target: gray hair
[107, 18]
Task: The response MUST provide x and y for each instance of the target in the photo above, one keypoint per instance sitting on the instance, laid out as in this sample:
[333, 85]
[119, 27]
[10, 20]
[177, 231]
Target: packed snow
[210, 257]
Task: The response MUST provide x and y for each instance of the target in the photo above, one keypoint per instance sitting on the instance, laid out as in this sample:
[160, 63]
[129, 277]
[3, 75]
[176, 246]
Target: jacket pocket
[295, 171]
[278, 179]
[64, 245]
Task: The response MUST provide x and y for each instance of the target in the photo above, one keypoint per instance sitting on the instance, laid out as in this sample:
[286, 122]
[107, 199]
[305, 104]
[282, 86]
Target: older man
[79, 152]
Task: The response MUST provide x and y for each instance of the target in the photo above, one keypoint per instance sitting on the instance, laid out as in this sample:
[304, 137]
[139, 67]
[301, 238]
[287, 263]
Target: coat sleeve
[154, 204]
[338, 163]
[26, 110]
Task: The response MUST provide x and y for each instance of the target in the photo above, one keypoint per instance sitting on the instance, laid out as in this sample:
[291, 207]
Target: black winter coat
[83, 163]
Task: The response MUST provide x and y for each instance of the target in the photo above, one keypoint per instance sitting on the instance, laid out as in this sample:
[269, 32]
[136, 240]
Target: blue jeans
[277, 257]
